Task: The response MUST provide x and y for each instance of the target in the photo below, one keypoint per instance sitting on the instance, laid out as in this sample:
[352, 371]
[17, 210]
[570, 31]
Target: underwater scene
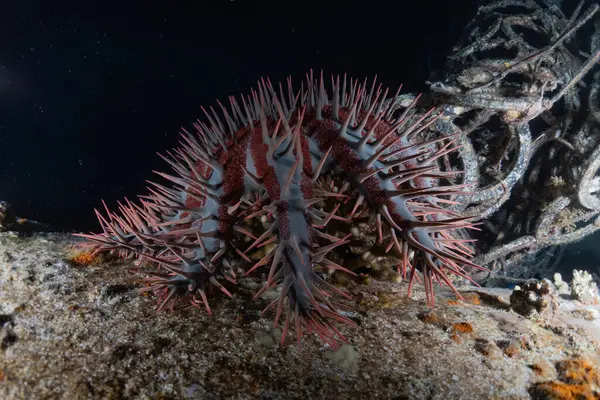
[223, 202]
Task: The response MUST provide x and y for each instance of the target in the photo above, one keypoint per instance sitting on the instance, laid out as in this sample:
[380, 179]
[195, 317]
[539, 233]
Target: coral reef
[577, 379]
[342, 193]
[583, 288]
[534, 298]
[80, 331]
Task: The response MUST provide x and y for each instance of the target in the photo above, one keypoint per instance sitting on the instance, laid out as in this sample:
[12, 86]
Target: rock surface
[76, 328]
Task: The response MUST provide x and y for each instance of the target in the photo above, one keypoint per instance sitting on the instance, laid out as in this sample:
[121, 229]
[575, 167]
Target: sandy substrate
[76, 331]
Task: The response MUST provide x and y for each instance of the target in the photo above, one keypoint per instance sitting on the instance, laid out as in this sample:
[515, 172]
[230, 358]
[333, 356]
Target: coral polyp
[303, 166]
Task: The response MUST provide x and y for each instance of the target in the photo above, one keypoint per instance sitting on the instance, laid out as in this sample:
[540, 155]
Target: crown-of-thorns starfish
[274, 155]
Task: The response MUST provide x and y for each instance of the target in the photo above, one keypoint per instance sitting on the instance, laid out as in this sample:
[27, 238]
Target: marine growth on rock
[287, 174]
